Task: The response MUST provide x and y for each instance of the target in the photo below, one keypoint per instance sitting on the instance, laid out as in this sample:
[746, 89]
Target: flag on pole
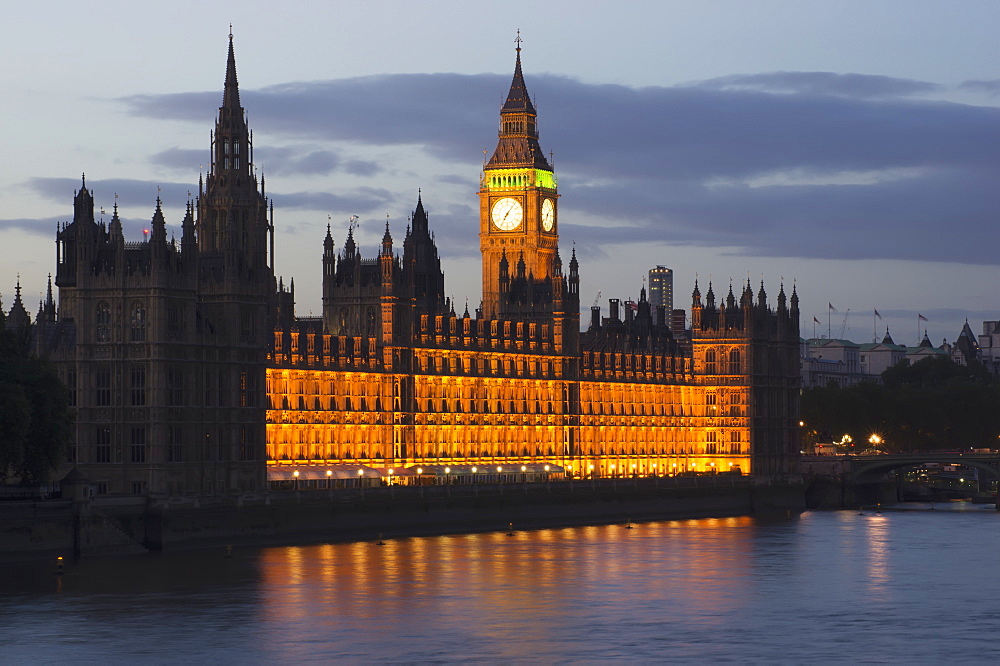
[830, 306]
[815, 320]
[920, 317]
[877, 314]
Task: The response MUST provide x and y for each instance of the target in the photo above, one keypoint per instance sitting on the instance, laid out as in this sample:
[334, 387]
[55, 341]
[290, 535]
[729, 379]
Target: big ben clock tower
[518, 210]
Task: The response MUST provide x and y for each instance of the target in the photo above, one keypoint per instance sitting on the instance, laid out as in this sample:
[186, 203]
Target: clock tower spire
[517, 196]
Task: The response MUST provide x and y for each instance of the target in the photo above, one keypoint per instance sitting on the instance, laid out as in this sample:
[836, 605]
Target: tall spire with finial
[518, 145]
[231, 94]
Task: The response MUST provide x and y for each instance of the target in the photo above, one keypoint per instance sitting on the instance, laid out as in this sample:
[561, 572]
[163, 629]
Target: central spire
[518, 100]
[518, 145]
[231, 94]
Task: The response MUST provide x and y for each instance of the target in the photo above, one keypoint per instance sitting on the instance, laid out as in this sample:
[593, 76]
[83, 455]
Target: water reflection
[853, 587]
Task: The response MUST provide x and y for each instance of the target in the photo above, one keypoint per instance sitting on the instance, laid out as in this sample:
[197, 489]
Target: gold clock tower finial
[518, 196]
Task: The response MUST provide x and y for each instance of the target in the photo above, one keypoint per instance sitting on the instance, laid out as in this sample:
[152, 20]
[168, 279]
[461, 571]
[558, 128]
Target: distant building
[661, 288]
[989, 346]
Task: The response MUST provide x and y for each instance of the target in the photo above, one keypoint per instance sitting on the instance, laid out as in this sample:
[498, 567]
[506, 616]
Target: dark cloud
[45, 226]
[822, 83]
[181, 159]
[279, 160]
[807, 164]
[990, 87]
[360, 200]
[362, 168]
[130, 192]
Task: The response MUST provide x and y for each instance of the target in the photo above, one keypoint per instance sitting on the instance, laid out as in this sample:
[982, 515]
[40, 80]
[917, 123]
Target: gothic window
[710, 362]
[137, 331]
[734, 362]
[103, 322]
[248, 331]
[225, 147]
[173, 321]
[102, 445]
[175, 386]
[138, 384]
[102, 386]
[138, 447]
[175, 447]
[71, 385]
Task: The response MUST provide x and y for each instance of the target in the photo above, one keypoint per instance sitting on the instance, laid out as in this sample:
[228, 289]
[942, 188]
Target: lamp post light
[296, 475]
[329, 479]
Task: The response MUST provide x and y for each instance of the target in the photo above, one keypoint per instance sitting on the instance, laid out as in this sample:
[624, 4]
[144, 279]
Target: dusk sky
[850, 147]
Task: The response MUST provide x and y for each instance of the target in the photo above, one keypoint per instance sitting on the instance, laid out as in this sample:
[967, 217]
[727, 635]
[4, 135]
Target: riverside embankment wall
[126, 525]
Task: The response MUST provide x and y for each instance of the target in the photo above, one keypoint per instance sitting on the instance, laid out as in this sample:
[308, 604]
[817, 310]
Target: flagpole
[829, 308]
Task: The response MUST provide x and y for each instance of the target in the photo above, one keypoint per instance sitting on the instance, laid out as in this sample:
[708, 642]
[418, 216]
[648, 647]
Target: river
[908, 584]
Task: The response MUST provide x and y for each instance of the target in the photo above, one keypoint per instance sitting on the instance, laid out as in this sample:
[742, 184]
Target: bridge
[871, 468]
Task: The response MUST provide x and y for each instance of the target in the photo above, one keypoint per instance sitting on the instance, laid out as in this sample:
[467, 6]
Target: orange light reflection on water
[519, 585]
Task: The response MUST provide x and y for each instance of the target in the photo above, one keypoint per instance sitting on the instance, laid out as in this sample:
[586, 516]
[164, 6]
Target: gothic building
[393, 379]
[191, 373]
[164, 345]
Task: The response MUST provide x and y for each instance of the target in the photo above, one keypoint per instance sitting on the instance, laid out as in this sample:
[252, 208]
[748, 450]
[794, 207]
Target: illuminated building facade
[392, 378]
[190, 372]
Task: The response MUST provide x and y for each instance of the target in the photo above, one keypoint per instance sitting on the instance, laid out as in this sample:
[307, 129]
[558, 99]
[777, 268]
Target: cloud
[45, 226]
[822, 83]
[279, 160]
[991, 87]
[359, 200]
[130, 192]
[791, 164]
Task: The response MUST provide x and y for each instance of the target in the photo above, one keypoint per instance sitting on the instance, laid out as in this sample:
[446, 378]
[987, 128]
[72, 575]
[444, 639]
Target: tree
[35, 421]
[933, 404]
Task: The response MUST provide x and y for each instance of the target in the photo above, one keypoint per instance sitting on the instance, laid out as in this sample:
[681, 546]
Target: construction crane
[843, 326]
[597, 299]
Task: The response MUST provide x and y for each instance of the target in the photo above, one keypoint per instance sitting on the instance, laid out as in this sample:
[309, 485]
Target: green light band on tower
[503, 179]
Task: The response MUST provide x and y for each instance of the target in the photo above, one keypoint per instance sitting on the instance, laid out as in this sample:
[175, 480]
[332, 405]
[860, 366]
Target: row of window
[716, 364]
[138, 446]
[175, 387]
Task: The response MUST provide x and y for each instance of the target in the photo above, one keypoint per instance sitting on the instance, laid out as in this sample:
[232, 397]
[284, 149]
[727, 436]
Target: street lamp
[329, 473]
[296, 475]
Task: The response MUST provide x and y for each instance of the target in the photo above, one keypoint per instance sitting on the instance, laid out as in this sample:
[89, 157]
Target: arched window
[137, 323]
[734, 362]
[710, 362]
[103, 324]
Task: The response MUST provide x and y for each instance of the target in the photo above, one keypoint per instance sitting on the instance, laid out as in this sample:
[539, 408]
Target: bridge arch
[868, 469]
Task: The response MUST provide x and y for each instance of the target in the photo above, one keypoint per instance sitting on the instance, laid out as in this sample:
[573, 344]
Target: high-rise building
[661, 288]
[191, 373]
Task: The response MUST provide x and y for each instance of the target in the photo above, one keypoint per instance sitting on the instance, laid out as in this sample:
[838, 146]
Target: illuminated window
[734, 362]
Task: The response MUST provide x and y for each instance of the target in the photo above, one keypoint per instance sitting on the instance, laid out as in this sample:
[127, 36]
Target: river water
[908, 584]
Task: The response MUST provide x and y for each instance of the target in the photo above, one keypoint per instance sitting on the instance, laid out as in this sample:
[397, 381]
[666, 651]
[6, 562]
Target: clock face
[548, 215]
[507, 214]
